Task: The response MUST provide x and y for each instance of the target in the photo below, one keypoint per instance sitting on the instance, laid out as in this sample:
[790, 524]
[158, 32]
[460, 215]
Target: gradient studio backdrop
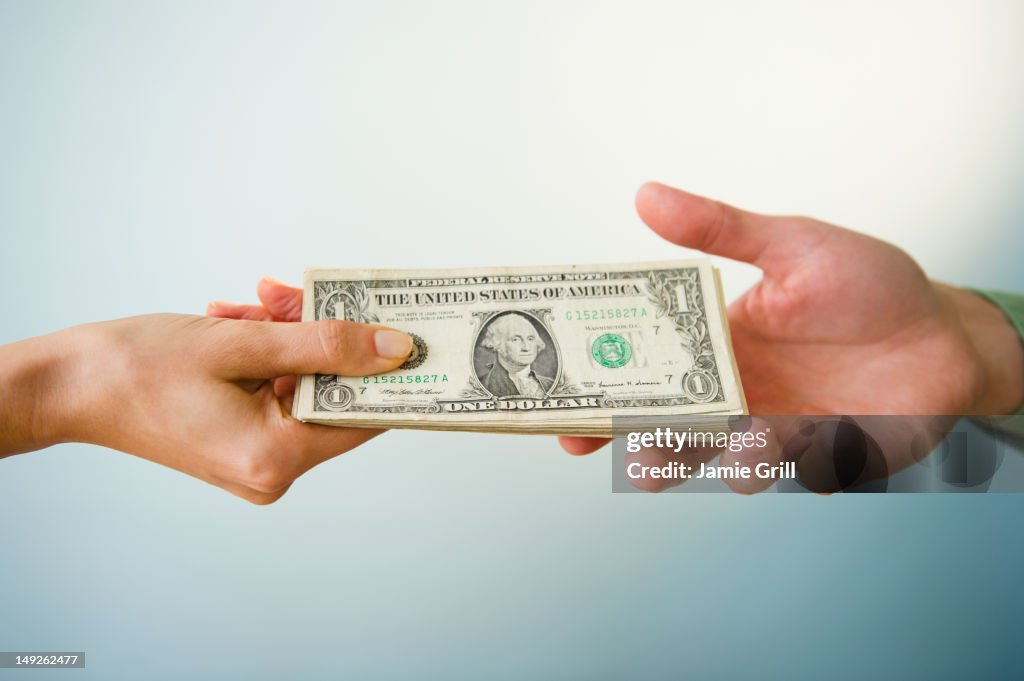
[154, 156]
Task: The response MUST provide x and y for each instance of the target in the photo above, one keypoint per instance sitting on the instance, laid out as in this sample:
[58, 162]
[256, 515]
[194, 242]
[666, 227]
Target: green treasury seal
[611, 350]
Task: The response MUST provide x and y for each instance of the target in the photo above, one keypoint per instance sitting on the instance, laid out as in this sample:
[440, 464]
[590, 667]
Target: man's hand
[842, 323]
[193, 393]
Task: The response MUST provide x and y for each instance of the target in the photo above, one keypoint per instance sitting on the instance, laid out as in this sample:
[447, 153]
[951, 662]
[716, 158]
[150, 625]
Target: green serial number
[403, 378]
[605, 313]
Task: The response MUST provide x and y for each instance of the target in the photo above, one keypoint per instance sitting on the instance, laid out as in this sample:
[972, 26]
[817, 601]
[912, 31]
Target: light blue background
[156, 155]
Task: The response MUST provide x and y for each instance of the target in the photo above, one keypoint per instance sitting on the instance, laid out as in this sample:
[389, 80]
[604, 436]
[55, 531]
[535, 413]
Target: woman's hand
[192, 393]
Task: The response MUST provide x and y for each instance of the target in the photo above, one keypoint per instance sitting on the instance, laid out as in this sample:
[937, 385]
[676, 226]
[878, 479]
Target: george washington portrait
[515, 356]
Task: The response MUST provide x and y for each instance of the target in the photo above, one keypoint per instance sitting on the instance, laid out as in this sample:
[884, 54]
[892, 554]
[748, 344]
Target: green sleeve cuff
[1012, 305]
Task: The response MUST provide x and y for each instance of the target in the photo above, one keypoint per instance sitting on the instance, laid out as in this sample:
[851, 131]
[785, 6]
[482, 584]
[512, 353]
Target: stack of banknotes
[555, 349]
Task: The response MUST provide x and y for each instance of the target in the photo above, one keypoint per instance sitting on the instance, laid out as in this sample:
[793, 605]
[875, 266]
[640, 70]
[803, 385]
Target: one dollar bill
[555, 349]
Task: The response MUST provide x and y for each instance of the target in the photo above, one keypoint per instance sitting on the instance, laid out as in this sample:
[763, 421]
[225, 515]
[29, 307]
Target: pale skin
[822, 330]
[193, 393]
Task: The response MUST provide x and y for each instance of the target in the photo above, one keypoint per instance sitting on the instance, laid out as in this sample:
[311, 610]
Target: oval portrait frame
[534, 316]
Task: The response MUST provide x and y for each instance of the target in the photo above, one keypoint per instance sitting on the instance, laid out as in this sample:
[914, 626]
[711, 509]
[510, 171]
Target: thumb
[720, 229]
[272, 349]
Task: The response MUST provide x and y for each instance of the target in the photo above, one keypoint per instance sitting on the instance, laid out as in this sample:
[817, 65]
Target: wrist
[1000, 353]
[36, 388]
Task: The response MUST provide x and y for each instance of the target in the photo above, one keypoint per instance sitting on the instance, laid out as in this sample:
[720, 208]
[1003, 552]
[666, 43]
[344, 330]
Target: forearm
[33, 385]
[999, 348]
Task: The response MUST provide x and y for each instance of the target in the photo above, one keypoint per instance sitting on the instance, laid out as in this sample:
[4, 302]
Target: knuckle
[261, 471]
[336, 339]
[269, 480]
[724, 215]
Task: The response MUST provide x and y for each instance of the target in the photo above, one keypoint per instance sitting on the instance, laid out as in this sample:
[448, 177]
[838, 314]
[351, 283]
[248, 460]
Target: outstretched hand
[841, 323]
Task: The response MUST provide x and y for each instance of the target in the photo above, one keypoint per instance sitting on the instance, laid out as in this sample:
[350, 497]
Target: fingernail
[392, 344]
